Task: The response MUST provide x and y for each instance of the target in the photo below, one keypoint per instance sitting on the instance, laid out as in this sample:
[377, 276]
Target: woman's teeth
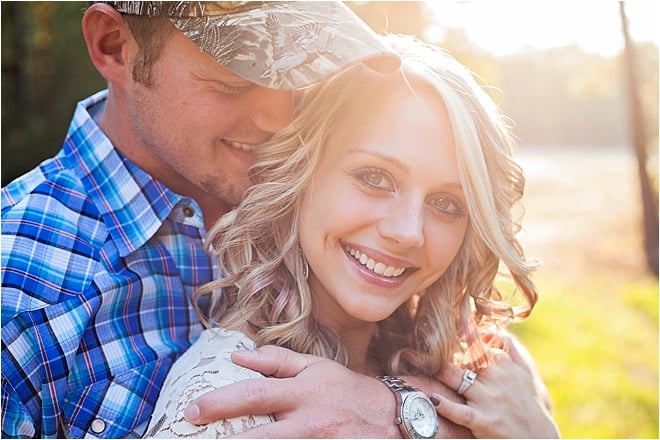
[375, 266]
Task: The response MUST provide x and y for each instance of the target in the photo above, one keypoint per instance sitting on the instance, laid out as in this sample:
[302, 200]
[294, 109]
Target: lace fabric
[205, 366]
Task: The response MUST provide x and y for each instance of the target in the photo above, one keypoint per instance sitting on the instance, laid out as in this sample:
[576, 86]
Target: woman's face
[385, 213]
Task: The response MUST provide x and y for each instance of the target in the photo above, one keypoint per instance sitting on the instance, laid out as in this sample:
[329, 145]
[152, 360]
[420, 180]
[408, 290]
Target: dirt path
[582, 209]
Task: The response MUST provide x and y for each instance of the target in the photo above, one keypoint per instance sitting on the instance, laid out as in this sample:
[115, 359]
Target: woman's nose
[404, 224]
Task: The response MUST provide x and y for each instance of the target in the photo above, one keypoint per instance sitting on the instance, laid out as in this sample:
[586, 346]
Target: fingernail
[246, 353]
[192, 412]
[434, 400]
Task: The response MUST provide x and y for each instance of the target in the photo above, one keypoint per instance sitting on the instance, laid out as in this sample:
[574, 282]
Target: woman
[373, 236]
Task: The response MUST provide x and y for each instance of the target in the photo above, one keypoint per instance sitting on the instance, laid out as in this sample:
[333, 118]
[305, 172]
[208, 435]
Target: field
[594, 332]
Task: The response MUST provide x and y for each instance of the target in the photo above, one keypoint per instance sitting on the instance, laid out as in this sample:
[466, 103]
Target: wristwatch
[415, 413]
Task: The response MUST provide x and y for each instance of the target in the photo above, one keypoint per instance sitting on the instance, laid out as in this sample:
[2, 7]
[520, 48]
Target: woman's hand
[507, 400]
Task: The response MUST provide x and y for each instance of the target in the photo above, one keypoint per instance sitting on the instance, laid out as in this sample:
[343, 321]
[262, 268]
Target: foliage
[45, 71]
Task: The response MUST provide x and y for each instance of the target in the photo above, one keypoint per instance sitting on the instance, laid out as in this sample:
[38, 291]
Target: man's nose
[274, 109]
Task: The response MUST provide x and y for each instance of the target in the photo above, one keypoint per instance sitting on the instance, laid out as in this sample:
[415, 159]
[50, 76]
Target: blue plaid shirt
[99, 264]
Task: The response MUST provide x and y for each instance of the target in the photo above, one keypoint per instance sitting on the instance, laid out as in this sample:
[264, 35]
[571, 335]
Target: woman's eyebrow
[373, 152]
[397, 163]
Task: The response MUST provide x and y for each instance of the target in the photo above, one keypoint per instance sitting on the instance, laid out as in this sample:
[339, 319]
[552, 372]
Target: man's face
[195, 127]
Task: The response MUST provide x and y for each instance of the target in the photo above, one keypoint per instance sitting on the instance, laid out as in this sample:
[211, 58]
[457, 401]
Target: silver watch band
[396, 384]
[400, 388]
[407, 421]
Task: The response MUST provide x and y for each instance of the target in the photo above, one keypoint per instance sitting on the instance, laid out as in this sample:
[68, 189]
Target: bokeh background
[582, 90]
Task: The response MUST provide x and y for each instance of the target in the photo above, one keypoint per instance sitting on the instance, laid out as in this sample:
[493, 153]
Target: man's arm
[310, 397]
[16, 420]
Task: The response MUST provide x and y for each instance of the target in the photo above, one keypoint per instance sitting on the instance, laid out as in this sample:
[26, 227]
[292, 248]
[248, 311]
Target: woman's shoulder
[205, 366]
[208, 361]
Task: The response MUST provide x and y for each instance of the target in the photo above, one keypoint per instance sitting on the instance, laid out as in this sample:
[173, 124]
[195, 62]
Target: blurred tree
[45, 71]
[563, 97]
[649, 194]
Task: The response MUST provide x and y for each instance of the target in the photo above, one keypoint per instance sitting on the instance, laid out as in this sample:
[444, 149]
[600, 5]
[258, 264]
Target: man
[102, 245]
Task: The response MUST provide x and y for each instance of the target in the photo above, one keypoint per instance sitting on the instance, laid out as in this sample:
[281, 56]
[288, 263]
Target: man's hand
[309, 396]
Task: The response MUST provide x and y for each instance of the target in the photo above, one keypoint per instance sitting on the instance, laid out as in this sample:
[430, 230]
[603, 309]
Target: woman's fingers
[455, 412]
[452, 376]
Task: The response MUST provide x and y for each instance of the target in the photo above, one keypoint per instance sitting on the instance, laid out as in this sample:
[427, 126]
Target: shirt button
[98, 426]
[188, 211]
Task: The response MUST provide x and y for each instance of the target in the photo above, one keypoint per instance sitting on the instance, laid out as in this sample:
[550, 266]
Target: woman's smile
[377, 267]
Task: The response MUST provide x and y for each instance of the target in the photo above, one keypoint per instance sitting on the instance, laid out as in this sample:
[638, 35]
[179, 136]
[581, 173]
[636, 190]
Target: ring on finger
[469, 377]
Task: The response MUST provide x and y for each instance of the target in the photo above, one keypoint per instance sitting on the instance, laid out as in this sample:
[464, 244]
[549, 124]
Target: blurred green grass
[596, 347]
[594, 331]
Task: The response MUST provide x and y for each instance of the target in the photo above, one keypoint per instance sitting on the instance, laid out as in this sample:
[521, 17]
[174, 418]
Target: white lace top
[206, 365]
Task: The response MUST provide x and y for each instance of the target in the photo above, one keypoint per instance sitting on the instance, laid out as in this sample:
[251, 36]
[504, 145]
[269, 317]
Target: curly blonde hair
[264, 291]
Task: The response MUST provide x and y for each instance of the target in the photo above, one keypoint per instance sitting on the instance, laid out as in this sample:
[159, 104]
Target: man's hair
[151, 34]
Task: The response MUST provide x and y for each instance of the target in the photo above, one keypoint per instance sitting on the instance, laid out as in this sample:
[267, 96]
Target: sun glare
[508, 26]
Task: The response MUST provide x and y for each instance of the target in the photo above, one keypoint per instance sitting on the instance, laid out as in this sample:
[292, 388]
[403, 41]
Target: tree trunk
[648, 194]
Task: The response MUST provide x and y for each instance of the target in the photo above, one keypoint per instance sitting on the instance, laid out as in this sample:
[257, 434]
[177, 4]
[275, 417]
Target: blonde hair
[264, 291]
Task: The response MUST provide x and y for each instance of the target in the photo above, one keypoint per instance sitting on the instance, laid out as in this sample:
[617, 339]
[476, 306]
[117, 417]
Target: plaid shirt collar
[132, 204]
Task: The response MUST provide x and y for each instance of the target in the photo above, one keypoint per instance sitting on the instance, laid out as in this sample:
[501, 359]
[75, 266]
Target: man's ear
[110, 43]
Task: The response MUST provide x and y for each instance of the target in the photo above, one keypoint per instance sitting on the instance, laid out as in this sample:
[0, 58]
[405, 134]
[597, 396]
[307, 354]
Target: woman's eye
[375, 179]
[449, 205]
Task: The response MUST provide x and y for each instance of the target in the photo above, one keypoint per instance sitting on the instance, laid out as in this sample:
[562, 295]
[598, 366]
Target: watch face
[421, 416]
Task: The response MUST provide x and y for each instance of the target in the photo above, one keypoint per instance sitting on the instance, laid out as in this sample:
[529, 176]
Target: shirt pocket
[117, 407]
